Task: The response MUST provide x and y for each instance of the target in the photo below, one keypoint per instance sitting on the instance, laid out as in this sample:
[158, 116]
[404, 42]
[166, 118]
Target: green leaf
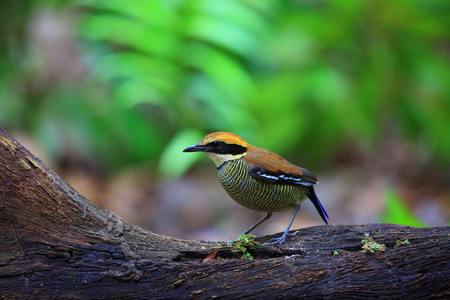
[397, 212]
[174, 162]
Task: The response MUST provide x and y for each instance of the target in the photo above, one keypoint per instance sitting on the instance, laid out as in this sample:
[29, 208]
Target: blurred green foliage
[297, 77]
[397, 212]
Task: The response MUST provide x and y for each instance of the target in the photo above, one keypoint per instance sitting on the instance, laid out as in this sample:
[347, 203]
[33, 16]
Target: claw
[281, 239]
[293, 234]
[275, 241]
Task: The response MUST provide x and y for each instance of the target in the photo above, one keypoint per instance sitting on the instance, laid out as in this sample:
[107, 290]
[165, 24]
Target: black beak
[195, 148]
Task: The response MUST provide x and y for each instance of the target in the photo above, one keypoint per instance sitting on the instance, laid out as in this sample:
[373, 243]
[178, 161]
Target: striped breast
[256, 194]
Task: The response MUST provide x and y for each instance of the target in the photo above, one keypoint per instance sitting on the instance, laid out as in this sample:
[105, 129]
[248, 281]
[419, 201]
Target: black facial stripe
[225, 148]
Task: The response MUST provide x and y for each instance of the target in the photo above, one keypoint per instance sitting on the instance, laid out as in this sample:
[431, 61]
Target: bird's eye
[215, 144]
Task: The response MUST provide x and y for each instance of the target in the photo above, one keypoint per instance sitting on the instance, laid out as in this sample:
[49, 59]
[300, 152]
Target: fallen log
[55, 243]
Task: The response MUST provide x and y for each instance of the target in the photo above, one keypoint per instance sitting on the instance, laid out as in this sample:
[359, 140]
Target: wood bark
[56, 244]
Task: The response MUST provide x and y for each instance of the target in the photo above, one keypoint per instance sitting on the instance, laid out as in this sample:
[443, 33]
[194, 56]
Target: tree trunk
[56, 244]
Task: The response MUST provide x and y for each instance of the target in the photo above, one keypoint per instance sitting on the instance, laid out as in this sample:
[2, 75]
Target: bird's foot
[275, 241]
[292, 234]
[281, 239]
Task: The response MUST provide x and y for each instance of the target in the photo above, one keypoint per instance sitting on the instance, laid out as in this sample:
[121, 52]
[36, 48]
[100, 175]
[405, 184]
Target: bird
[259, 179]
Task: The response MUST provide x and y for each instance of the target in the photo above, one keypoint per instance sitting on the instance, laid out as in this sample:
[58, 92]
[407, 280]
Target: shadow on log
[56, 244]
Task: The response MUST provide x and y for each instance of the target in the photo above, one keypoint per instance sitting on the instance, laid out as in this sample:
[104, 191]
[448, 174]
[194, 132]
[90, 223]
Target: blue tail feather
[315, 200]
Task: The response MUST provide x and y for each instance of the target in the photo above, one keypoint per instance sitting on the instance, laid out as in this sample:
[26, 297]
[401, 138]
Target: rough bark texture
[56, 244]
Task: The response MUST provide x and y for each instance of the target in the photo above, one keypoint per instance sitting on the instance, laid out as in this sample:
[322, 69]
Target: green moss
[243, 243]
[399, 243]
[370, 246]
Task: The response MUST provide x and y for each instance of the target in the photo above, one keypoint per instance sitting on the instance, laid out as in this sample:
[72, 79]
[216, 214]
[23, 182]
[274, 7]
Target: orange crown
[226, 137]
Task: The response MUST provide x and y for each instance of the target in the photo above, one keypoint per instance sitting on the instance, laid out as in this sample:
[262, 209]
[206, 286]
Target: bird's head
[221, 147]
